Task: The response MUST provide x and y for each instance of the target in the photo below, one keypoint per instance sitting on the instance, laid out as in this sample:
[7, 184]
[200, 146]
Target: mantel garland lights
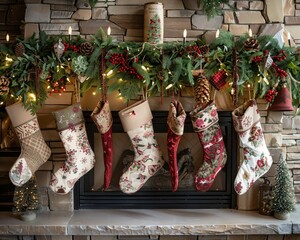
[38, 68]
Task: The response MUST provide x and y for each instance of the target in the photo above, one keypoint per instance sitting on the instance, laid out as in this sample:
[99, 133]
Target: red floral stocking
[205, 123]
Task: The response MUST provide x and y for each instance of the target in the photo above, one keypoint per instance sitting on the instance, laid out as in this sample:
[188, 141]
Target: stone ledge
[150, 222]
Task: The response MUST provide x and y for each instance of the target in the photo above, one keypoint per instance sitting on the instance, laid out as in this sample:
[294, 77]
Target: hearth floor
[150, 222]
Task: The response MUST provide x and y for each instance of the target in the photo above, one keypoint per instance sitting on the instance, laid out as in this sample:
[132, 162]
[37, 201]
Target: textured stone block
[170, 237]
[39, 13]
[293, 149]
[61, 14]
[61, 2]
[273, 127]
[229, 17]
[120, 10]
[174, 4]
[242, 5]
[201, 22]
[238, 30]
[68, 8]
[250, 17]
[275, 117]
[275, 10]
[286, 143]
[294, 30]
[289, 8]
[82, 14]
[43, 178]
[273, 140]
[293, 156]
[61, 202]
[180, 13]
[99, 13]
[59, 27]
[288, 122]
[82, 237]
[30, 29]
[106, 237]
[257, 5]
[292, 20]
[177, 23]
[275, 153]
[61, 238]
[92, 26]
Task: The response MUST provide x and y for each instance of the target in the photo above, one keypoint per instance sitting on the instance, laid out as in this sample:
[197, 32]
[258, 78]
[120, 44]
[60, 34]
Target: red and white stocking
[103, 120]
[205, 123]
[257, 158]
[176, 120]
[137, 122]
[80, 156]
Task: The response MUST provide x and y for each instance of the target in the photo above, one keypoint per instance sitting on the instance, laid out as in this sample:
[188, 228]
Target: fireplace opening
[157, 192]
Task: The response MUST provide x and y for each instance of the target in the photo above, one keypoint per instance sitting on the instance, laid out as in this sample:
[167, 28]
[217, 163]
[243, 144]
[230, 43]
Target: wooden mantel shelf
[150, 222]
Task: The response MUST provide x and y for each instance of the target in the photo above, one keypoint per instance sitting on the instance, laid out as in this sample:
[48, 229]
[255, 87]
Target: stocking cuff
[176, 118]
[204, 118]
[102, 116]
[68, 117]
[245, 116]
[27, 129]
[135, 115]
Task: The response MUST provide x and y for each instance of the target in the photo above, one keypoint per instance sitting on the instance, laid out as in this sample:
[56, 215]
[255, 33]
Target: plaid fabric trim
[218, 80]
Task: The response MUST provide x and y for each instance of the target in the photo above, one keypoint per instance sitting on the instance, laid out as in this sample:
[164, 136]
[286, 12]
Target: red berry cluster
[118, 59]
[70, 47]
[192, 49]
[270, 94]
[279, 72]
[281, 56]
[57, 86]
[257, 59]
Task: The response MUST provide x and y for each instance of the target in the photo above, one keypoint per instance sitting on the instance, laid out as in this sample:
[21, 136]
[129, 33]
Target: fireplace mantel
[150, 222]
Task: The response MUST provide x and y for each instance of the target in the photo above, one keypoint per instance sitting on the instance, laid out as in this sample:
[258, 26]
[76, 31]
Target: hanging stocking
[257, 159]
[80, 156]
[137, 122]
[205, 123]
[34, 150]
[103, 120]
[176, 120]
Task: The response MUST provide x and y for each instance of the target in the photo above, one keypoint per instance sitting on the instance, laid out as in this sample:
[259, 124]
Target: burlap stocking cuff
[68, 117]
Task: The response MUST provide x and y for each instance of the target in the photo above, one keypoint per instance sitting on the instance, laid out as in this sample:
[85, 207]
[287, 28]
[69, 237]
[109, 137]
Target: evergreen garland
[284, 200]
[131, 68]
[212, 8]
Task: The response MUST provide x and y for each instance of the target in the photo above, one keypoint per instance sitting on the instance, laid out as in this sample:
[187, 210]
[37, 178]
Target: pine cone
[204, 49]
[4, 85]
[251, 44]
[86, 48]
[201, 90]
[19, 49]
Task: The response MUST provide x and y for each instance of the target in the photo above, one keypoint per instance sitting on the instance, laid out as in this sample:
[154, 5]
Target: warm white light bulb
[217, 33]
[108, 31]
[184, 33]
[7, 37]
[250, 32]
[70, 30]
[289, 36]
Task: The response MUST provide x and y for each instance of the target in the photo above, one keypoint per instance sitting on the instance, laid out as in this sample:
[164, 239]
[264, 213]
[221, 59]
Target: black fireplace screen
[157, 192]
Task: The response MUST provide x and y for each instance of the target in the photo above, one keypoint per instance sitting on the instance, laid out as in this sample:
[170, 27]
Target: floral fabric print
[257, 160]
[34, 152]
[80, 156]
[176, 120]
[205, 123]
[103, 120]
[147, 160]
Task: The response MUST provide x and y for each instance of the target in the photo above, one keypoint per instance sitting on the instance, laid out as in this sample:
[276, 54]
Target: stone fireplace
[157, 192]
